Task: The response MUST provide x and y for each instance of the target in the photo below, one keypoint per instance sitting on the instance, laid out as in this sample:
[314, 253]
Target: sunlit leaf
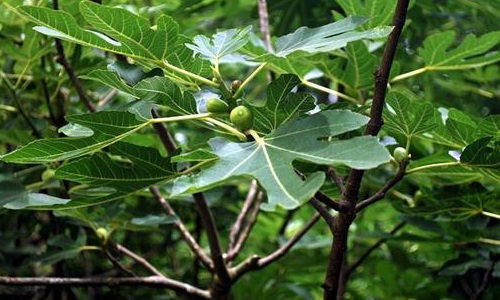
[221, 45]
[472, 52]
[109, 78]
[108, 127]
[269, 159]
[360, 66]
[380, 12]
[36, 201]
[328, 37]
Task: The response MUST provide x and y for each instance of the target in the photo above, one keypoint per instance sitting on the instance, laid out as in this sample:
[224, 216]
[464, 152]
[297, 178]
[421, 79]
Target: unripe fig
[400, 154]
[215, 105]
[102, 233]
[48, 175]
[242, 117]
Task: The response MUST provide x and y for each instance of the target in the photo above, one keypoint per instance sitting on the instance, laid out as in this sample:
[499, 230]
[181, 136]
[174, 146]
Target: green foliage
[269, 159]
[73, 181]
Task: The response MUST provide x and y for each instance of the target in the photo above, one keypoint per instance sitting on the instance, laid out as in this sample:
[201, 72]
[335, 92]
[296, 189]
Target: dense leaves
[158, 183]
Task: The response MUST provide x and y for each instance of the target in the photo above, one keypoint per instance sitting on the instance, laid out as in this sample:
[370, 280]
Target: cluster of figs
[241, 116]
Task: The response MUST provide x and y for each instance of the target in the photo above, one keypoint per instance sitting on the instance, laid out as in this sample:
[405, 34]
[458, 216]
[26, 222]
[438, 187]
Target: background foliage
[438, 228]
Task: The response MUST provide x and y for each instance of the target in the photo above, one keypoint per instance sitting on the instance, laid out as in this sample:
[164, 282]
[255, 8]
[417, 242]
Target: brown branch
[245, 232]
[118, 265]
[188, 238]
[289, 244]
[140, 260]
[375, 246]
[236, 229]
[326, 200]
[387, 186]
[350, 197]
[61, 59]
[151, 281]
[323, 211]
[254, 262]
[332, 174]
[213, 240]
[165, 136]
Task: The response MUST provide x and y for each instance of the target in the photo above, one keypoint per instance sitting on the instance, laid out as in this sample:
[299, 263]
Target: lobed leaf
[163, 91]
[269, 159]
[138, 168]
[328, 37]
[480, 154]
[281, 104]
[108, 127]
[409, 118]
[221, 45]
[472, 52]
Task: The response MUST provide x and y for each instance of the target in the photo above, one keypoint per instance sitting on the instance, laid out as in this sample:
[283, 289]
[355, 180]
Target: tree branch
[208, 222]
[254, 262]
[345, 218]
[332, 174]
[165, 136]
[151, 281]
[61, 59]
[193, 245]
[387, 186]
[247, 227]
[138, 259]
[326, 200]
[236, 229]
[279, 253]
[323, 211]
[365, 255]
[117, 264]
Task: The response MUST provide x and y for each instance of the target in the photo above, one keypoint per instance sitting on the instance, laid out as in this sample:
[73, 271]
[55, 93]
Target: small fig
[48, 175]
[242, 117]
[215, 105]
[400, 154]
[102, 233]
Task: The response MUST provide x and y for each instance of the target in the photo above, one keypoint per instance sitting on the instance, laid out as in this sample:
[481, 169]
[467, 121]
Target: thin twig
[484, 282]
[188, 238]
[236, 229]
[254, 262]
[375, 246]
[151, 281]
[165, 136]
[289, 244]
[20, 109]
[264, 30]
[61, 59]
[140, 260]
[247, 228]
[323, 211]
[332, 174]
[117, 264]
[109, 95]
[326, 200]
[387, 186]
[286, 220]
